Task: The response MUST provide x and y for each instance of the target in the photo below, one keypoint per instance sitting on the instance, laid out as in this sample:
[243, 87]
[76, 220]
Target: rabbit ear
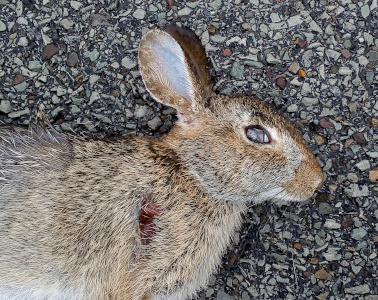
[174, 69]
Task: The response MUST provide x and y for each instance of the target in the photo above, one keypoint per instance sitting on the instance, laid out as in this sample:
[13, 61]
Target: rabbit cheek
[147, 214]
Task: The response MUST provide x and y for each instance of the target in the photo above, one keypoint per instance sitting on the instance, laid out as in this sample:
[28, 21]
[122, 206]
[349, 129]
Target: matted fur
[69, 208]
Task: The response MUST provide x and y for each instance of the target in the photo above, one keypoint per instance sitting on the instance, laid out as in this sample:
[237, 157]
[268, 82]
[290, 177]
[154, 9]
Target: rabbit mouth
[147, 213]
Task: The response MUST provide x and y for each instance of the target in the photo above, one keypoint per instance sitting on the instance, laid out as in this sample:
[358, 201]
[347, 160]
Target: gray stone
[19, 113]
[216, 4]
[324, 208]
[23, 41]
[3, 27]
[345, 71]
[102, 118]
[5, 106]
[237, 70]
[75, 109]
[306, 58]
[76, 5]
[139, 14]
[254, 64]
[128, 62]
[184, 12]
[21, 87]
[155, 123]
[332, 54]
[306, 89]
[222, 295]
[270, 59]
[141, 111]
[372, 55]
[34, 65]
[358, 290]
[353, 190]
[67, 23]
[310, 101]
[363, 165]
[295, 20]
[292, 108]
[61, 91]
[369, 76]
[92, 55]
[365, 11]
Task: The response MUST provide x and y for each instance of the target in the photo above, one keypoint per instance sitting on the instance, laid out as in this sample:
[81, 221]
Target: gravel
[316, 61]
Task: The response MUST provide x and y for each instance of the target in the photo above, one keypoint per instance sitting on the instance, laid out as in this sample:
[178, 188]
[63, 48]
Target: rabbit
[142, 218]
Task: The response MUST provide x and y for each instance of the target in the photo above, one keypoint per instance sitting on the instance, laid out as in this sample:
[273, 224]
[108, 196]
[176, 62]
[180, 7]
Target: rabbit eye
[257, 134]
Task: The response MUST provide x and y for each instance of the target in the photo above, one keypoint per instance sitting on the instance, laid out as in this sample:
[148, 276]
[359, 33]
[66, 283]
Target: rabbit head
[237, 148]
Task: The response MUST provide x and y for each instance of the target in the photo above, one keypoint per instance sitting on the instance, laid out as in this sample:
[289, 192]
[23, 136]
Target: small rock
[67, 23]
[310, 101]
[5, 106]
[226, 52]
[322, 274]
[21, 87]
[247, 26]
[359, 138]
[76, 4]
[373, 175]
[92, 55]
[139, 14]
[34, 65]
[184, 11]
[61, 91]
[49, 51]
[363, 165]
[332, 54]
[3, 27]
[270, 59]
[18, 79]
[292, 108]
[72, 59]
[365, 11]
[155, 123]
[294, 67]
[358, 290]
[232, 258]
[324, 123]
[372, 55]
[324, 208]
[345, 53]
[354, 190]
[128, 62]
[281, 82]
[23, 41]
[331, 224]
[98, 19]
[323, 296]
[237, 70]
[345, 71]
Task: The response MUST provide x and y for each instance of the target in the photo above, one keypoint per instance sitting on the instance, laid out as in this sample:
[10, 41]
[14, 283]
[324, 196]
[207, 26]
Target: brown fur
[69, 219]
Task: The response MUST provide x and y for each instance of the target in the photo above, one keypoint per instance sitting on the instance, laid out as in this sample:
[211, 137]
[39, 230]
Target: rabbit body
[140, 218]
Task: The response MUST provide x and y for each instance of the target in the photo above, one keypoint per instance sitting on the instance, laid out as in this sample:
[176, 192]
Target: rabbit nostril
[147, 213]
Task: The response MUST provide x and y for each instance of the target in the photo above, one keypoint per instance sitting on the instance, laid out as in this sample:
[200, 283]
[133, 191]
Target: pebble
[76, 5]
[324, 208]
[292, 108]
[67, 23]
[184, 11]
[21, 87]
[281, 82]
[49, 51]
[345, 71]
[346, 53]
[332, 54]
[23, 41]
[237, 70]
[128, 62]
[5, 106]
[365, 11]
[358, 290]
[354, 190]
[310, 101]
[72, 59]
[373, 175]
[323, 274]
[331, 224]
[92, 55]
[139, 14]
[363, 165]
[270, 59]
[3, 27]
[155, 123]
[294, 67]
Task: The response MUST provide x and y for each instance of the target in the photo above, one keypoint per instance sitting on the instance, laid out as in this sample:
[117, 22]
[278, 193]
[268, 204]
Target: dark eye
[257, 134]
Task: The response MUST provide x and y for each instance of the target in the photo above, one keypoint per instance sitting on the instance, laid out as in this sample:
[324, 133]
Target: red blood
[147, 213]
